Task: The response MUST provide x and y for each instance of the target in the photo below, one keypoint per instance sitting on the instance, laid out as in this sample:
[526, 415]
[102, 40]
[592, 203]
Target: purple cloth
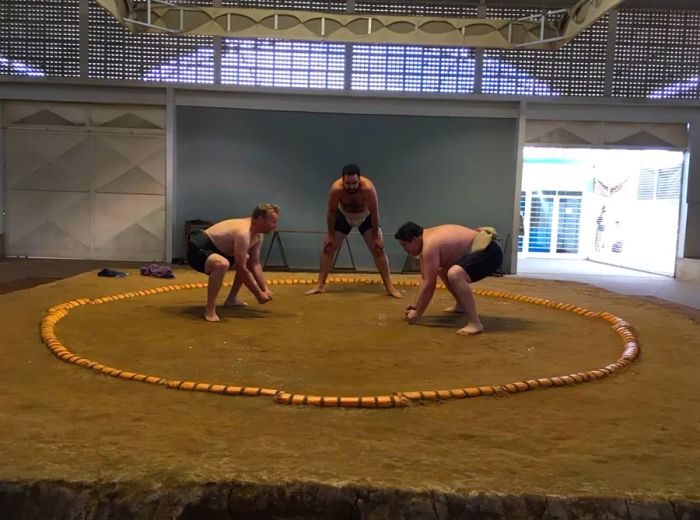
[157, 271]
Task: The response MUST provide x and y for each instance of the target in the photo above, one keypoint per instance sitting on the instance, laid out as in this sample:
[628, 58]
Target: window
[645, 186]
[664, 183]
[669, 183]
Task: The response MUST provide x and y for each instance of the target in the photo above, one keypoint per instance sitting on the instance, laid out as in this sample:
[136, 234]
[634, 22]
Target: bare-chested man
[352, 201]
[233, 244]
[460, 256]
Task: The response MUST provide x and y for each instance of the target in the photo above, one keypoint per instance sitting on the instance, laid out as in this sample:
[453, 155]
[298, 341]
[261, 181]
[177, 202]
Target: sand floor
[635, 434]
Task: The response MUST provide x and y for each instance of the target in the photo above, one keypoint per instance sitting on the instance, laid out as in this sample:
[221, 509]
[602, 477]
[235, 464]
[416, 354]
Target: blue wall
[432, 170]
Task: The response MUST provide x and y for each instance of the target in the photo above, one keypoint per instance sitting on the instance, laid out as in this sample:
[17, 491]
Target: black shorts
[199, 248]
[342, 224]
[483, 263]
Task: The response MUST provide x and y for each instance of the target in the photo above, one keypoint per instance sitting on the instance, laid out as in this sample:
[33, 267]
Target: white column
[521, 123]
[170, 156]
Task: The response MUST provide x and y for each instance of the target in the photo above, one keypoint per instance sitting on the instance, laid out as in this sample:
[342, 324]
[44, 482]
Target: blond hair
[261, 210]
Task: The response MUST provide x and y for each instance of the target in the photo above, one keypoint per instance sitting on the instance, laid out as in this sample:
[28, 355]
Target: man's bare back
[226, 233]
[447, 244]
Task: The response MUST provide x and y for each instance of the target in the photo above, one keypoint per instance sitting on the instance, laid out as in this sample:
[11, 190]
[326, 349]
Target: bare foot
[319, 289]
[235, 303]
[211, 316]
[454, 308]
[471, 329]
[394, 293]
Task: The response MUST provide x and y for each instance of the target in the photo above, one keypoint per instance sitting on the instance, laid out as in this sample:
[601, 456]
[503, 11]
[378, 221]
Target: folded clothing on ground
[157, 271]
[111, 273]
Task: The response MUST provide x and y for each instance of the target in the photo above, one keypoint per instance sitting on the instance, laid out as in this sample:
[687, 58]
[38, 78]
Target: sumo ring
[396, 399]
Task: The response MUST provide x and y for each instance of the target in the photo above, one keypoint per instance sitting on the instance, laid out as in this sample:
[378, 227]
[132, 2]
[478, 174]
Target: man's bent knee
[217, 264]
[457, 273]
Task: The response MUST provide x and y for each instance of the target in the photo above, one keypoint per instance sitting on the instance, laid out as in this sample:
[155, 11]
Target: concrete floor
[22, 273]
[613, 278]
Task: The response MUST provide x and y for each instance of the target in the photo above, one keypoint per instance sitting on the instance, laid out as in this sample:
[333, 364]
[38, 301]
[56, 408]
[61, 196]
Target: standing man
[459, 256]
[233, 244]
[352, 201]
[600, 230]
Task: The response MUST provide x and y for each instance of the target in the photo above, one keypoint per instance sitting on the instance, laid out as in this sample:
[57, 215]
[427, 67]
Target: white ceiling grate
[299, 5]
[117, 54]
[657, 54]
[279, 63]
[40, 38]
[577, 69]
[436, 9]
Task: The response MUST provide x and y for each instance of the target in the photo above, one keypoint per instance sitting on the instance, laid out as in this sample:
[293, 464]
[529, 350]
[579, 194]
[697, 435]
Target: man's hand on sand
[264, 297]
[412, 316]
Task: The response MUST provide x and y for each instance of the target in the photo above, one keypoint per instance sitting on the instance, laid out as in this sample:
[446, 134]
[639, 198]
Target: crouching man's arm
[243, 273]
[429, 265]
[256, 269]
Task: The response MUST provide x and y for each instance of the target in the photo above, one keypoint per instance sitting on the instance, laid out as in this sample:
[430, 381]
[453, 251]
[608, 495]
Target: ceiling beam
[583, 15]
[547, 30]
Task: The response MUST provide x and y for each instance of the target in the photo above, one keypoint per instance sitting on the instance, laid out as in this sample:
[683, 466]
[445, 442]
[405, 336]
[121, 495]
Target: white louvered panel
[646, 185]
[668, 185]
